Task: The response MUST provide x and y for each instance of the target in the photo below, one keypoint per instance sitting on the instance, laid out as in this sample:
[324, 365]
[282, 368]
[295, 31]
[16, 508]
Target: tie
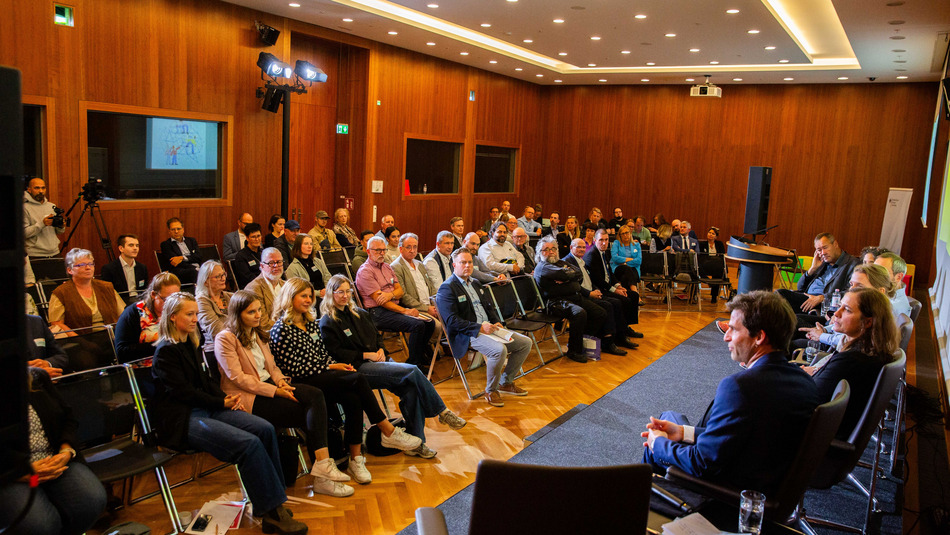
[603, 260]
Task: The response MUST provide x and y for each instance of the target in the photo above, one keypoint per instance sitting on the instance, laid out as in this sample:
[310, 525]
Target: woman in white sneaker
[248, 370]
[351, 336]
[298, 349]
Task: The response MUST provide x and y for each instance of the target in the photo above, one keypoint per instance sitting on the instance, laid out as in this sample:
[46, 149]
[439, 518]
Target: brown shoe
[494, 399]
[510, 388]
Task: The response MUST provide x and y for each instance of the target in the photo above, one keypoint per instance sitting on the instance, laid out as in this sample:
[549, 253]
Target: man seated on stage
[380, 291]
[758, 416]
[685, 240]
[438, 262]
[127, 276]
[597, 263]
[486, 228]
[481, 272]
[519, 238]
[500, 255]
[560, 287]
[616, 319]
[528, 223]
[896, 268]
[830, 270]
[359, 254]
[323, 236]
[414, 279]
[457, 228]
[552, 229]
[181, 253]
[234, 241]
[268, 284]
[384, 223]
[469, 322]
[246, 263]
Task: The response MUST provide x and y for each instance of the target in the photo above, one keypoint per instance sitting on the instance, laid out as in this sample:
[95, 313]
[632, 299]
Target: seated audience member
[896, 269]
[596, 217]
[438, 262]
[538, 214]
[624, 259]
[486, 228]
[505, 207]
[870, 253]
[870, 339]
[44, 351]
[600, 264]
[69, 497]
[658, 221]
[380, 292]
[589, 230]
[180, 252]
[571, 232]
[345, 234]
[618, 221]
[127, 276]
[710, 263]
[555, 222]
[267, 285]
[830, 270]
[384, 223]
[560, 287]
[528, 223]
[359, 254]
[83, 301]
[248, 370]
[661, 242]
[510, 222]
[470, 320]
[247, 263]
[298, 349]
[480, 272]
[323, 236]
[639, 232]
[212, 303]
[40, 240]
[414, 279]
[352, 338]
[457, 228]
[307, 265]
[392, 244]
[616, 315]
[758, 417]
[275, 229]
[234, 241]
[684, 241]
[519, 239]
[136, 332]
[285, 243]
[194, 413]
[500, 255]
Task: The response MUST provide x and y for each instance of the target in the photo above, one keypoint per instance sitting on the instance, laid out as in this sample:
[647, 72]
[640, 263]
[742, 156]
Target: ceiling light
[486, 25]
[650, 63]
[558, 21]
[591, 64]
[463, 53]
[602, 80]
[529, 41]
[433, 6]
[671, 35]
[770, 48]
[690, 79]
[347, 20]
[557, 81]
[393, 33]
[902, 77]
[430, 43]
[737, 79]
[624, 51]
[294, 4]
[641, 17]
[783, 61]
[732, 11]
[644, 79]
[512, 1]
[539, 75]
[519, 69]
[753, 32]
[694, 50]
[842, 77]
[562, 53]
[492, 61]
[788, 79]
[595, 38]
[714, 63]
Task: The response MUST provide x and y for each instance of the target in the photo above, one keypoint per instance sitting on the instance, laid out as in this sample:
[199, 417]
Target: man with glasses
[638, 231]
[469, 322]
[381, 292]
[414, 279]
[626, 306]
[267, 285]
[181, 252]
[830, 270]
[486, 228]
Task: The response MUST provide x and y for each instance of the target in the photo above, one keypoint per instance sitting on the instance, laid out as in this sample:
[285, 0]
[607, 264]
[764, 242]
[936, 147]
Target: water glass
[751, 511]
[825, 307]
[812, 350]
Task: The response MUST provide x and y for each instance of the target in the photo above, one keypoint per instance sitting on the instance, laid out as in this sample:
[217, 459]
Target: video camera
[59, 220]
[93, 190]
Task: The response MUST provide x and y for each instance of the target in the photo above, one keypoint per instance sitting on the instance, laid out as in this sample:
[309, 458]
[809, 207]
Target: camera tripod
[92, 207]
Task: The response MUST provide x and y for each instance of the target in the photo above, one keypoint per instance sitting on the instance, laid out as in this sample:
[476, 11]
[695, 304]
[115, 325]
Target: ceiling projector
[705, 90]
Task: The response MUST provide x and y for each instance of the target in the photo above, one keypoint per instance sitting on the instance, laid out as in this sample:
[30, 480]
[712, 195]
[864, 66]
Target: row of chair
[664, 269]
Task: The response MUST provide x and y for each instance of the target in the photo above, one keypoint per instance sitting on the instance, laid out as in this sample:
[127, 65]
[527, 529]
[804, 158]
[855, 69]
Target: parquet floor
[400, 483]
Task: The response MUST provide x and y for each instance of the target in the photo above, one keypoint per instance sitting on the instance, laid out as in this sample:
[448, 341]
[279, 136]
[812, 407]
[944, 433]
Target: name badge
[315, 336]
[40, 342]
[141, 283]
[314, 268]
[252, 263]
[347, 332]
[462, 299]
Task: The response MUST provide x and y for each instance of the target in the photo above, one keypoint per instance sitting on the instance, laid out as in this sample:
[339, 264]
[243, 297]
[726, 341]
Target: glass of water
[751, 511]
[811, 351]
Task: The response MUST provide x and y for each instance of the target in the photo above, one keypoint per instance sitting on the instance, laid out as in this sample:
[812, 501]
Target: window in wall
[148, 157]
[432, 166]
[33, 141]
[495, 169]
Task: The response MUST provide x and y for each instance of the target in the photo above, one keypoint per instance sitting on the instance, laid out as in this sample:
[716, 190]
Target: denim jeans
[420, 331]
[68, 504]
[418, 399]
[248, 441]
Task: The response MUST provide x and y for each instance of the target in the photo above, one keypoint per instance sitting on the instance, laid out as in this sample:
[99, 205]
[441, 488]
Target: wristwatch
[71, 451]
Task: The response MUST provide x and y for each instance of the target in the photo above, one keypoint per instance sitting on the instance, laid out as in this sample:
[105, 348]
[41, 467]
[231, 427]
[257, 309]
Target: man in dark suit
[180, 253]
[128, 277]
[830, 270]
[470, 323]
[45, 352]
[758, 417]
[597, 263]
[616, 319]
[685, 240]
[519, 238]
[234, 241]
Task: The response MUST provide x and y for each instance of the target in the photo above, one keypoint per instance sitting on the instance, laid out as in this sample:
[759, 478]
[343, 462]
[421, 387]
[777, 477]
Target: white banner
[895, 218]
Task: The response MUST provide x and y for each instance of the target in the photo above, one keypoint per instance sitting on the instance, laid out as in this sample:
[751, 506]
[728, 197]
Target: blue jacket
[679, 244]
[458, 313]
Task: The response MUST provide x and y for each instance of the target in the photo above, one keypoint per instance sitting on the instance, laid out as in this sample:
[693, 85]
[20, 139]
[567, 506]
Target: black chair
[42, 306]
[654, 270]
[533, 307]
[49, 268]
[45, 288]
[103, 401]
[914, 307]
[160, 260]
[232, 280]
[505, 300]
[334, 256]
[92, 347]
[209, 251]
[685, 272]
[457, 359]
[784, 506]
[340, 269]
[715, 265]
[622, 507]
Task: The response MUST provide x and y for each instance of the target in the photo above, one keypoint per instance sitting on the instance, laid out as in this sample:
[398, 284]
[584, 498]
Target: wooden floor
[400, 483]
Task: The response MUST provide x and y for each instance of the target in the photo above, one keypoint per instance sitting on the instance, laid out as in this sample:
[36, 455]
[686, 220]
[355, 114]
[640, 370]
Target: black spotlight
[268, 34]
[272, 99]
[307, 71]
[272, 66]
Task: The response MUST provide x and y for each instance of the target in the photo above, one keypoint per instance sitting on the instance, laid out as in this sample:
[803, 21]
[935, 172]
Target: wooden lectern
[757, 263]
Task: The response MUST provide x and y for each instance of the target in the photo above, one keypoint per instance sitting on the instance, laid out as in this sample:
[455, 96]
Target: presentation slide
[180, 145]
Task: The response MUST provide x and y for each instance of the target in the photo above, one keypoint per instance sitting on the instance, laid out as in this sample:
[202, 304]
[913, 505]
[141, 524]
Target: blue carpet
[608, 431]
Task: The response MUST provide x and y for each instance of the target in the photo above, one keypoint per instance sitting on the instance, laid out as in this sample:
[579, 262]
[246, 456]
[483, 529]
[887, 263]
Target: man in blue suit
[758, 417]
[685, 240]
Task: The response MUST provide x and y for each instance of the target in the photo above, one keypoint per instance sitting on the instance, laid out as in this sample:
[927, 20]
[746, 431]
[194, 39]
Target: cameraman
[38, 215]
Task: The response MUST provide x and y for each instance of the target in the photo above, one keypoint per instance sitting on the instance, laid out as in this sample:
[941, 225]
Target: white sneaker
[358, 470]
[327, 469]
[422, 451]
[400, 440]
[331, 488]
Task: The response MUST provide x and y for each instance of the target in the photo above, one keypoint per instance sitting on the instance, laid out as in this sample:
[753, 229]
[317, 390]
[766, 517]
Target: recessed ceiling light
[842, 77]
[539, 75]
[902, 77]
[595, 38]
[694, 50]
[788, 79]
[650, 63]
[737, 79]
[591, 64]
[896, 37]
[463, 53]
[557, 81]
[783, 61]
[433, 6]
[732, 11]
[294, 4]
[518, 69]
[528, 41]
[753, 32]
[486, 25]
[770, 48]
[640, 16]
[690, 79]
[624, 51]
[562, 53]
[896, 22]
[492, 61]
[644, 79]
[393, 33]
[558, 21]
[347, 20]
[512, 1]
[602, 80]
[714, 63]
[671, 35]
[430, 43]
[898, 50]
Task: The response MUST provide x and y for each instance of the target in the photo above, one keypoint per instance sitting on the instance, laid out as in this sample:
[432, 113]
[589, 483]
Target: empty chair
[92, 347]
[209, 251]
[506, 303]
[655, 271]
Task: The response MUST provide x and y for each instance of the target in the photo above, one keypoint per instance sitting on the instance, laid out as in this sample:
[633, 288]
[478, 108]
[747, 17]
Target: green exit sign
[342, 128]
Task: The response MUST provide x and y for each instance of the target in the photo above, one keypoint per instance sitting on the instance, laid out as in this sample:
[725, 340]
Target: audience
[457, 228]
[391, 235]
[618, 284]
[639, 232]
[359, 254]
[285, 243]
[83, 301]
[616, 319]
[415, 281]
[830, 270]
[589, 230]
[511, 223]
[552, 228]
[127, 276]
[212, 303]
[234, 241]
[870, 253]
[499, 255]
[438, 262]
[489, 223]
[323, 237]
[267, 285]
[661, 242]
[345, 234]
[658, 221]
[44, 352]
[180, 253]
[275, 229]
[39, 234]
[625, 257]
[596, 218]
[896, 269]
[617, 222]
[384, 223]
[528, 223]
[307, 265]
[685, 241]
[246, 263]
[519, 239]
[571, 232]
[710, 263]
[480, 272]
[136, 332]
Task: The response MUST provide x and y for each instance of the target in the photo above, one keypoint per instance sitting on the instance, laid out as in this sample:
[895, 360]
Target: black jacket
[246, 265]
[170, 249]
[602, 279]
[348, 338]
[55, 414]
[181, 384]
[127, 332]
[48, 350]
[559, 280]
[841, 280]
[114, 273]
[861, 372]
[458, 313]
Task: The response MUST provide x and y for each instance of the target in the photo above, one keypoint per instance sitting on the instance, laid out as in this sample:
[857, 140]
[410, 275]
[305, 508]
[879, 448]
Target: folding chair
[49, 268]
[456, 358]
[655, 270]
[686, 273]
[229, 271]
[708, 262]
[505, 300]
[334, 256]
[533, 308]
[162, 264]
[209, 251]
[92, 347]
[340, 269]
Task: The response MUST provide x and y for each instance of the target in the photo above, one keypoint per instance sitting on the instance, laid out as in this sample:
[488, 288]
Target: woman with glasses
[83, 301]
[307, 265]
[299, 352]
[136, 332]
[212, 303]
[352, 338]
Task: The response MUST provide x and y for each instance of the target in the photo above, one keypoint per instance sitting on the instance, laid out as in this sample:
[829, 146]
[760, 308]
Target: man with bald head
[384, 223]
[481, 272]
[235, 240]
[519, 238]
[39, 233]
[528, 223]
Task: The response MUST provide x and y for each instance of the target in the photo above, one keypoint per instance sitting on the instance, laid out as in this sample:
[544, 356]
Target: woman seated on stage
[570, 233]
[870, 340]
[625, 259]
[352, 338]
[662, 242]
[710, 263]
[307, 265]
[136, 332]
[212, 303]
[194, 413]
[248, 370]
[83, 301]
[298, 349]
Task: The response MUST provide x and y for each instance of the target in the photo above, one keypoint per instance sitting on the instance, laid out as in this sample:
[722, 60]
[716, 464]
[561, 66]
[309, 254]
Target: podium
[757, 263]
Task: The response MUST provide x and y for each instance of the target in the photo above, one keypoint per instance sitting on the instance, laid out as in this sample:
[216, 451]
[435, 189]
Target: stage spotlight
[267, 33]
[309, 72]
[272, 66]
[272, 99]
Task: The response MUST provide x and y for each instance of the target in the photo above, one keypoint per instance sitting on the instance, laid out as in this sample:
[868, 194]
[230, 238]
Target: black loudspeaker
[757, 200]
[14, 423]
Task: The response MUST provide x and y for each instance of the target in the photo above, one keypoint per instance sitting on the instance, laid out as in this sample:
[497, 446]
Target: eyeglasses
[410, 247]
[84, 264]
[378, 250]
[549, 249]
[220, 276]
[273, 263]
[343, 292]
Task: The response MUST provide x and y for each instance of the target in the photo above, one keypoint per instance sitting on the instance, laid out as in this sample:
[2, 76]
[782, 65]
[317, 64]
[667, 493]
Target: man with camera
[42, 221]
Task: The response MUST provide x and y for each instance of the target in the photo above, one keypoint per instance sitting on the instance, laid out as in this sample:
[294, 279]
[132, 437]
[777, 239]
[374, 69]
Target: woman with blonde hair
[662, 242]
[83, 301]
[341, 226]
[212, 302]
[298, 349]
[136, 332]
[571, 232]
